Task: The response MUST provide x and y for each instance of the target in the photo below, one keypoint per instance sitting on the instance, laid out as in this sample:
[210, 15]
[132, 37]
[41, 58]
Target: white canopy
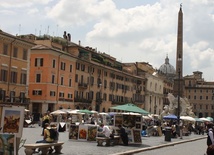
[187, 118]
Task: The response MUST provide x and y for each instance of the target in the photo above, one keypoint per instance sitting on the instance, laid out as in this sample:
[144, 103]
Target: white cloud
[22, 3]
[141, 33]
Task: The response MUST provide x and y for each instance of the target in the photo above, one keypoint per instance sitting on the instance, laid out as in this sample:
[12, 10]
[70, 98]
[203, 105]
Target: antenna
[57, 29]
[40, 31]
[48, 30]
[19, 29]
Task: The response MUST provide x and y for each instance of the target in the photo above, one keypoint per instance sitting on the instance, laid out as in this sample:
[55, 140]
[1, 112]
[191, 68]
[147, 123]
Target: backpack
[53, 134]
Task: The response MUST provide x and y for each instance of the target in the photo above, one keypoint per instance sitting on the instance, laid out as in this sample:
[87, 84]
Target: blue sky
[129, 30]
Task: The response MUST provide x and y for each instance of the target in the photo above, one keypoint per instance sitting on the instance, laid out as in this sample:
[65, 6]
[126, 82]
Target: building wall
[154, 94]
[14, 61]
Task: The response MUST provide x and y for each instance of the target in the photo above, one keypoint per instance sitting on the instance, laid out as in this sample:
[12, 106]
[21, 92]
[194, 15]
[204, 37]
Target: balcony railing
[83, 85]
[15, 100]
[83, 100]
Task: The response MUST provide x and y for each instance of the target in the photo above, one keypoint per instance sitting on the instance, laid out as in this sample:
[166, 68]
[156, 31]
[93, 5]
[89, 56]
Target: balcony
[65, 99]
[118, 102]
[15, 100]
[82, 100]
[83, 85]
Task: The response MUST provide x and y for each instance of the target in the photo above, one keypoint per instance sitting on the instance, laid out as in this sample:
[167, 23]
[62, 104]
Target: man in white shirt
[105, 130]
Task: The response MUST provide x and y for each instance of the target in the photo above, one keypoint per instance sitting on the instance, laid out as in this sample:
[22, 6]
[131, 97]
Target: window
[61, 94]
[70, 82]
[13, 77]
[24, 56]
[4, 75]
[39, 62]
[62, 80]
[82, 67]
[37, 92]
[38, 77]
[70, 68]
[53, 79]
[76, 78]
[22, 97]
[70, 95]
[63, 66]
[54, 63]
[5, 49]
[52, 93]
[77, 66]
[15, 52]
[23, 78]
[200, 97]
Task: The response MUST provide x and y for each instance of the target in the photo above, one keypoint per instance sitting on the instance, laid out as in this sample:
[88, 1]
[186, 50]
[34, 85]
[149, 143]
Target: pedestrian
[123, 135]
[45, 119]
[210, 139]
[181, 129]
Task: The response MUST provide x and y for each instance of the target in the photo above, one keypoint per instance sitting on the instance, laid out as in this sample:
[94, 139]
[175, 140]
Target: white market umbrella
[187, 118]
[204, 119]
[75, 112]
[57, 112]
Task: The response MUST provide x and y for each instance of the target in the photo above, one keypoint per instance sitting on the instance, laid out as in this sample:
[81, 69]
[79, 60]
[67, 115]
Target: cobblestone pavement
[76, 147]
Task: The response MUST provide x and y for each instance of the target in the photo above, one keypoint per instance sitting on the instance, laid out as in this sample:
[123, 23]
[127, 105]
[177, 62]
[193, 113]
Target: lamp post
[213, 105]
[178, 115]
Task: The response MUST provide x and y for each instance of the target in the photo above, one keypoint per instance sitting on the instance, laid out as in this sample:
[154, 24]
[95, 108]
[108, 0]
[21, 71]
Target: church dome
[167, 68]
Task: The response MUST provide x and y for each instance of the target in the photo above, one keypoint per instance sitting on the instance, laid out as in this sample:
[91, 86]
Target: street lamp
[213, 105]
[178, 115]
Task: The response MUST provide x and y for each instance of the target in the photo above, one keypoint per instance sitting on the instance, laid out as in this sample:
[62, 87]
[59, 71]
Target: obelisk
[178, 81]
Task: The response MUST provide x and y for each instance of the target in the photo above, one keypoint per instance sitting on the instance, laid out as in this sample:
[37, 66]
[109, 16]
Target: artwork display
[92, 132]
[137, 136]
[83, 132]
[7, 144]
[129, 121]
[73, 132]
[138, 126]
[118, 120]
[12, 120]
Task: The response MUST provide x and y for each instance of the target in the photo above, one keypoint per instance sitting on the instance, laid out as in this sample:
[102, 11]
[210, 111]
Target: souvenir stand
[132, 122]
[81, 130]
[12, 120]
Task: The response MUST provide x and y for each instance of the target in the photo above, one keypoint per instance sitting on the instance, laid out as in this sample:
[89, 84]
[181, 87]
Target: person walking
[123, 135]
[210, 139]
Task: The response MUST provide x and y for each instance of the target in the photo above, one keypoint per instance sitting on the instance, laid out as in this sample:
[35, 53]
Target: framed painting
[7, 143]
[137, 136]
[129, 121]
[118, 119]
[83, 132]
[92, 132]
[73, 131]
[138, 118]
[138, 126]
[12, 120]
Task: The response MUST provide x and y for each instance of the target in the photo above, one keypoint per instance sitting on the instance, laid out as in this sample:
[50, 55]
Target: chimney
[79, 43]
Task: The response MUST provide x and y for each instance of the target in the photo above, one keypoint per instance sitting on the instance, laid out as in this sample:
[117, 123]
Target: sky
[129, 30]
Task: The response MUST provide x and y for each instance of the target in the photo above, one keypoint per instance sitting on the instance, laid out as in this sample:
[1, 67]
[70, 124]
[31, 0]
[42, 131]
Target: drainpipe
[57, 80]
[10, 64]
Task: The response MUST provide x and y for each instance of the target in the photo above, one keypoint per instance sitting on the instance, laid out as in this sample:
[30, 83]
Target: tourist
[123, 135]
[210, 139]
[105, 130]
